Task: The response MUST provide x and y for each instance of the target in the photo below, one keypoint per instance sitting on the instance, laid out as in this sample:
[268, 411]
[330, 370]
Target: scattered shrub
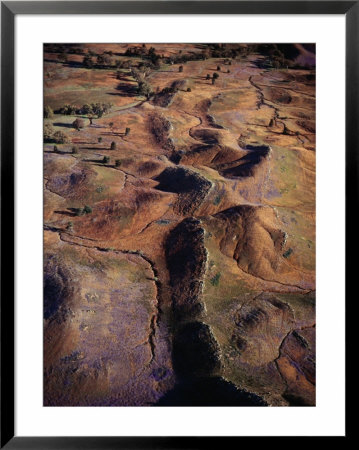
[75, 150]
[113, 145]
[144, 89]
[214, 77]
[97, 109]
[189, 89]
[79, 212]
[217, 200]
[99, 139]
[78, 124]
[67, 110]
[87, 62]
[106, 160]
[208, 76]
[288, 253]
[60, 137]
[62, 57]
[117, 163]
[56, 149]
[180, 69]
[48, 112]
[104, 60]
[219, 68]
[127, 131]
[215, 280]
[49, 131]
[87, 209]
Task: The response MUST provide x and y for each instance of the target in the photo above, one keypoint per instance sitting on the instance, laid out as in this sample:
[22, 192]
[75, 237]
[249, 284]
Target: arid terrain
[179, 225]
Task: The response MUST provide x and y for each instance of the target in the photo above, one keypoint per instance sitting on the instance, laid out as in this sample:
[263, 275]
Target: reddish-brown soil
[196, 257]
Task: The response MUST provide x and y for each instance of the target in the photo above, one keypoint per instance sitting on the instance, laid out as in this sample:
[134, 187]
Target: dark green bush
[215, 280]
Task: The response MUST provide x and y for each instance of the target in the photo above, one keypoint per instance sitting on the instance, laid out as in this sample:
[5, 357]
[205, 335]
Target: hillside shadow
[67, 212]
[63, 124]
[209, 391]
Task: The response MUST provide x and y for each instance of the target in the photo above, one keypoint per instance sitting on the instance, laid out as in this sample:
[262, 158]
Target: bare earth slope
[189, 277]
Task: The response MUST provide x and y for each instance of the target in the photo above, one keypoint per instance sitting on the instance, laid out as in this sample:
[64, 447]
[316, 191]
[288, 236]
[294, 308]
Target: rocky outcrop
[191, 187]
[196, 353]
[186, 260]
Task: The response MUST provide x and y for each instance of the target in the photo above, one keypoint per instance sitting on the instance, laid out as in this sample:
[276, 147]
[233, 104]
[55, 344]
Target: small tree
[144, 89]
[219, 68]
[60, 138]
[106, 160]
[228, 71]
[180, 69]
[78, 124]
[127, 131]
[87, 209]
[56, 149]
[111, 125]
[214, 78]
[87, 62]
[113, 145]
[49, 131]
[117, 163]
[69, 226]
[99, 140]
[48, 112]
[208, 77]
[62, 57]
[189, 89]
[75, 150]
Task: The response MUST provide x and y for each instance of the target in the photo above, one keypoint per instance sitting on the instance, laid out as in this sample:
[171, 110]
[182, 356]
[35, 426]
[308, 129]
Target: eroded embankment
[196, 353]
[191, 187]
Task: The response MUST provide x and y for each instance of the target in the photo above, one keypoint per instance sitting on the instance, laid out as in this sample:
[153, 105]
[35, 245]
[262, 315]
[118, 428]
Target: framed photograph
[175, 182]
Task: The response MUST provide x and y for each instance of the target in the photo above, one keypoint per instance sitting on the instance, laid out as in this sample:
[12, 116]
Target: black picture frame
[8, 12]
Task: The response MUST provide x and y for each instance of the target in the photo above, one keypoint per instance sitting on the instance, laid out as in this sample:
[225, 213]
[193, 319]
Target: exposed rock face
[160, 128]
[195, 351]
[190, 186]
[186, 258]
[210, 391]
